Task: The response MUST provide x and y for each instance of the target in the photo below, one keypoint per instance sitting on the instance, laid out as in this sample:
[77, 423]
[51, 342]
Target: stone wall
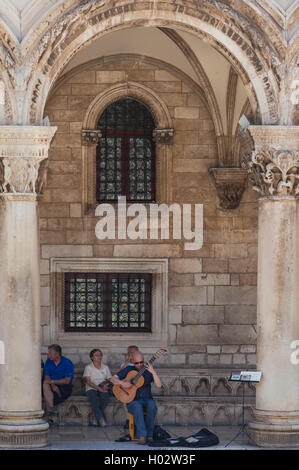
[212, 291]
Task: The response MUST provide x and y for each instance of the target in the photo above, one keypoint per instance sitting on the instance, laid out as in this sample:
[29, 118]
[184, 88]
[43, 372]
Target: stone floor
[94, 438]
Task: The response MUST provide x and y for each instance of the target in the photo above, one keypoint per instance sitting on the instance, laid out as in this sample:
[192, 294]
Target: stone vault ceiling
[153, 42]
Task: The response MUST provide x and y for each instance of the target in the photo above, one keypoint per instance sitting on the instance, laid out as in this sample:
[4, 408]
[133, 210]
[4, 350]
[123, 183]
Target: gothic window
[107, 302]
[125, 159]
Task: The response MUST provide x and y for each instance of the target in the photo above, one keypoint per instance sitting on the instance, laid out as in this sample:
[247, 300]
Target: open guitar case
[203, 438]
[161, 438]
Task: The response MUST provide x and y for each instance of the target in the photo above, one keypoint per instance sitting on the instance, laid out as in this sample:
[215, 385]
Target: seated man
[143, 400]
[58, 378]
[130, 351]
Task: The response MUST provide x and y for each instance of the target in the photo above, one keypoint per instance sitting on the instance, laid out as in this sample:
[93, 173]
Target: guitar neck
[143, 369]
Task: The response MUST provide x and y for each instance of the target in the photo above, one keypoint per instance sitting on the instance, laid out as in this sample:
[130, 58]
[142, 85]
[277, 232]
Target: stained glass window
[108, 302]
[126, 153]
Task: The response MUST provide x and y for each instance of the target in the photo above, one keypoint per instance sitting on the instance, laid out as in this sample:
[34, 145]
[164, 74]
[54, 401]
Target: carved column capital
[91, 136]
[270, 154]
[230, 184]
[163, 136]
[22, 149]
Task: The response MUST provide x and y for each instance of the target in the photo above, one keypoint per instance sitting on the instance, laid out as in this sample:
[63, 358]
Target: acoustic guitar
[126, 395]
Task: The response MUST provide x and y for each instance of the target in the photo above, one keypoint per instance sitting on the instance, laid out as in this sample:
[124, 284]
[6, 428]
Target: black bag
[203, 438]
[160, 434]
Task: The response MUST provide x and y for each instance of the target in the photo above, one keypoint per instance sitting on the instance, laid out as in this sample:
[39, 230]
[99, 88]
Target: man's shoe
[52, 411]
[142, 440]
[102, 422]
[149, 438]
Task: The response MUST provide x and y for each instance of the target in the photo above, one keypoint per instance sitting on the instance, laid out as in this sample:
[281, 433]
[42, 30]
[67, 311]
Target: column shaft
[22, 150]
[271, 157]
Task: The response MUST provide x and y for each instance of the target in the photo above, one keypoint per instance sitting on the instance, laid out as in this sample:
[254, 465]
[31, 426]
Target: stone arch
[8, 64]
[8, 105]
[162, 120]
[135, 90]
[293, 83]
[256, 62]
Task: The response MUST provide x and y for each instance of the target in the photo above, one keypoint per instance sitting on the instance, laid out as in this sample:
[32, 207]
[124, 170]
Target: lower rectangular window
[107, 301]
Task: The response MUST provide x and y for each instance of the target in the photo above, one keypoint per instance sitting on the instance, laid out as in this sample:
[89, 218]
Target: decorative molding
[274, 172]
[231, 95]
[270, 154]
[22, 149]
[91, 136]
[230, 184]
[157, 266]
[23, 429]
[163, 136]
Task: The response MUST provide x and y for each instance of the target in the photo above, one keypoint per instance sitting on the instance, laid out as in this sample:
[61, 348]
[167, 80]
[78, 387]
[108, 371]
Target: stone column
[271, 155]
[22, 148]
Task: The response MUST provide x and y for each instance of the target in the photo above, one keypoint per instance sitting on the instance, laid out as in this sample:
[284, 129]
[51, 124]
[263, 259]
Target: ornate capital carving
[230, 184]
[163, 136]
[270, 154]
[91, 136]
[22, 149]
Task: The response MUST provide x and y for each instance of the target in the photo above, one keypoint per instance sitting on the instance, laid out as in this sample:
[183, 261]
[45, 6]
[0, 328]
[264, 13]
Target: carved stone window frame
[158, 267]
[162, 120]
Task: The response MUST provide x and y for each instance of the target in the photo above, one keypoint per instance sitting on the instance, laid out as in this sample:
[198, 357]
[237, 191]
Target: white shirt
[129, 364]
[96, 375]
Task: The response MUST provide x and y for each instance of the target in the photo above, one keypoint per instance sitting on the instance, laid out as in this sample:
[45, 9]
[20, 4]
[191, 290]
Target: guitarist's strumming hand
[157, 380]
[126, 384]
[116, 381]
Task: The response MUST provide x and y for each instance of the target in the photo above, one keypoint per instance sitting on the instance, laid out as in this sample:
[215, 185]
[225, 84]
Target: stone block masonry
[211, 291]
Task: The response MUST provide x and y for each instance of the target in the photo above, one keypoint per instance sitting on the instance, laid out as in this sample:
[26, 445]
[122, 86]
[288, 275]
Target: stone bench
[187, 397]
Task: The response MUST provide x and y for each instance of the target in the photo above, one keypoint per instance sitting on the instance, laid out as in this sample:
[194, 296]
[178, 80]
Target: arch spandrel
[73, 33]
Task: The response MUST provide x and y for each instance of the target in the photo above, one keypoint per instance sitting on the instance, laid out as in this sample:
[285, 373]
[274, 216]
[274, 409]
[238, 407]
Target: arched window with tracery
[125, 161]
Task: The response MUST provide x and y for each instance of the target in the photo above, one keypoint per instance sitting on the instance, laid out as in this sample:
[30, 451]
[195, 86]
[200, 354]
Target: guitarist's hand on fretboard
[149, 367]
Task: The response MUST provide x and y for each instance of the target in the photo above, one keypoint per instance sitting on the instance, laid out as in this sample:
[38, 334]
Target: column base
[23, 430]
[275, 428]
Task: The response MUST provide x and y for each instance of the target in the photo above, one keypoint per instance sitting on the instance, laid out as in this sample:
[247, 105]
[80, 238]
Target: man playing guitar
[143, 401]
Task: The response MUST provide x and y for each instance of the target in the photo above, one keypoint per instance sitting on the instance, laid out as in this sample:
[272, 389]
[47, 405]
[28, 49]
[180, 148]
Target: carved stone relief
[22, 149]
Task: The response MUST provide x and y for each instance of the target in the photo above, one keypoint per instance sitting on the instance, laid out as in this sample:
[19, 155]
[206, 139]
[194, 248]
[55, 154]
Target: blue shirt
[64, 369]
[145, 390]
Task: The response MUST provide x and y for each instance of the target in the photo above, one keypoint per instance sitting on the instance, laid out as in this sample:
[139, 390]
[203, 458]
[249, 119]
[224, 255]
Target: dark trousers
[65, 392]
[98, 401]
[144, 427]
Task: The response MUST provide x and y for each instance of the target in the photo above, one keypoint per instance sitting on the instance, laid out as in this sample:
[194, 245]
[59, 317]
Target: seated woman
[95, 373]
